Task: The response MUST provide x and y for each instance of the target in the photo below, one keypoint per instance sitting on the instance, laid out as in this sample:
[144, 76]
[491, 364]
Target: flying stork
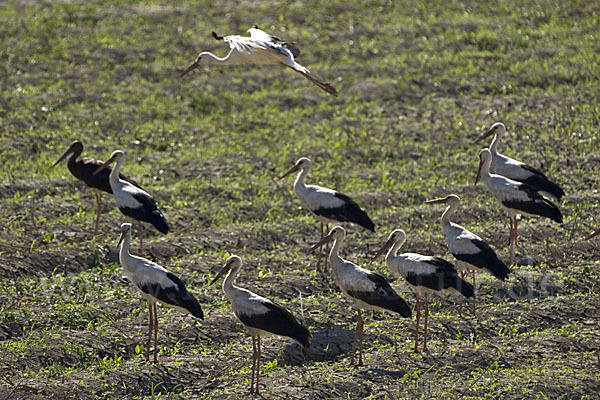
[131, 200]
[516, 197]
[83, 169]
[470, 251]
[155, 284]
[259, 48]
[425, 274]
[259, 315]
[329, 206]
[516, 170]
[367, 290]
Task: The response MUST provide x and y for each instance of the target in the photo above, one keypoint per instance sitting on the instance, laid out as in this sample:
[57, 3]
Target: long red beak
[383, 249]
[595, 233]
[478, 172]
[321, 243]
[291, 170]
[480, 138]
[103, 166]
[220, 274]
[191, 67]
[436, 201]
[69, 151]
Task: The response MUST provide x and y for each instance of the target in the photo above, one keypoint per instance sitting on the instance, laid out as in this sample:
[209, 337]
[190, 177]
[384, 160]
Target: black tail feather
[543, 184]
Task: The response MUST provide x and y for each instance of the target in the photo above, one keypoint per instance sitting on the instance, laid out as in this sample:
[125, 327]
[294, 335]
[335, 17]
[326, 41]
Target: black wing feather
[537, 204]
[485, 258]
[348, 212]
[384, 296]
[279, 321]
[176, 295]
[445, 277]
[149, 212]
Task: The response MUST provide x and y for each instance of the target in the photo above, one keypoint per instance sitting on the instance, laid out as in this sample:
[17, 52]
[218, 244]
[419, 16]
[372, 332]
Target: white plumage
[425, 274]
[329, 206]
[367, 290]
[516, 170]
[260, 316]
[469, 249]
[259, 48]
[516, 197]
[155, 284]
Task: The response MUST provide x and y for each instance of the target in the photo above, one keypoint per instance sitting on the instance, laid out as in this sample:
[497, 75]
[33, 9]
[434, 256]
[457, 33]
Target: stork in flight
[367, 290]
[155, 284]
[516, 197]
[472, 253]
[329, 206]
[425, 274]
[259, 48]
[260, 316]
[131, 200]
[516, 170]
[83, 169]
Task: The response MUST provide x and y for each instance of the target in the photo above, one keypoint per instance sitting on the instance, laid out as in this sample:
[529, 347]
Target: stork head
[302, 164]
[497, 128]
[397, 236]
[75, 147]
[485, 160]
[200, 60]
[451, 200]
[233, 263]
[125, 231]
[116, 156]
[336, 233]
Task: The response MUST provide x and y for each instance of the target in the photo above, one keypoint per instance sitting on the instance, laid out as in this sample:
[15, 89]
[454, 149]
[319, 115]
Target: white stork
[260, 316]
[259, 48]
[516, 170]
[133, 201]
[329, 206]
[367, 290]
[155, 284]
[516, 197]
[472, 253]
[425, 274]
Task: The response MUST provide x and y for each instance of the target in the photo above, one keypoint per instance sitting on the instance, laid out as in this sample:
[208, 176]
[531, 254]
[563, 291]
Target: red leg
[327, 248]
[253, 364]
[150, 327]
[360, 327]
[426, 317]
[258, 364]
[417, 324]
[512, 239]
[320, 255]
[155, 332]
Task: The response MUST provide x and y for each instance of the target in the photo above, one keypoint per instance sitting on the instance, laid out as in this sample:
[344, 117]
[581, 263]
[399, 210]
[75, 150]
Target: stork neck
[449, 212]
[299, 182]
[334, 254]
[393, 251]
[114, 174]
[494, 145]
[124, 252]
[228, 284]
[211, 59]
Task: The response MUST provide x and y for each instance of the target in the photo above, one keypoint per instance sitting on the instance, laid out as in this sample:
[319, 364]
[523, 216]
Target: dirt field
[418, 83]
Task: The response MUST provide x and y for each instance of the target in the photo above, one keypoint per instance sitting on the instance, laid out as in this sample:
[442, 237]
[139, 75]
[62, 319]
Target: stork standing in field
[367, 290]
[155, 284]
[425, 274]
[326, 204]
[131, 200]
[259, 48]
[471, 252]
[83, 169]
[516, 197]
[260, 316]
[516, 170]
